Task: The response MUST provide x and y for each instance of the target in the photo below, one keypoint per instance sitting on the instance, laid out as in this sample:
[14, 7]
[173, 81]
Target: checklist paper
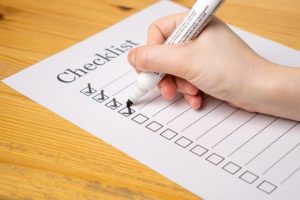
[217, 152]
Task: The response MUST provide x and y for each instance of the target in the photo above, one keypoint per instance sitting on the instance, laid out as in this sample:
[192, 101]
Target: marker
[191, 26]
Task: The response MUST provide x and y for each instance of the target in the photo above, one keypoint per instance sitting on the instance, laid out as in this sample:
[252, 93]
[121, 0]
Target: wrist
[275, 90]
[260, 86]
[265, 88]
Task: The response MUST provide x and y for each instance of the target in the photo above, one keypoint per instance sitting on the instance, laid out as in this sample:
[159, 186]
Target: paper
[218, 152]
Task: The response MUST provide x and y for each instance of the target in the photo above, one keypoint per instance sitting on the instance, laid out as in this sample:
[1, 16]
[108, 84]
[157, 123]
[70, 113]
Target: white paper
[218, 152]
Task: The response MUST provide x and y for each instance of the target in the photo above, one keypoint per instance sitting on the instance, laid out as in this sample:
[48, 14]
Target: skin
[220, 64]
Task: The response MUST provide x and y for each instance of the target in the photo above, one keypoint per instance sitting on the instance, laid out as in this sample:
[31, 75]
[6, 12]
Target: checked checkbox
[88, 90]
[113, 104]
[126, 111]
[100, 97]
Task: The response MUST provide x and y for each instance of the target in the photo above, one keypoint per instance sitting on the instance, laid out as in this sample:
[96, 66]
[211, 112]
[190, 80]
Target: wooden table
[43, 156]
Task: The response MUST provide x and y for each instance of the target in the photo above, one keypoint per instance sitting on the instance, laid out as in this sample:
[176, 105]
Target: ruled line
[251, 138]
[289, 176]
[147, 103]
[262, 151]
[124, 88]
[179, 115]
[190, 125]
[118, 78]
[205, 97]
[235, 130]
[280, 159]
[170, 104]
[217, 124]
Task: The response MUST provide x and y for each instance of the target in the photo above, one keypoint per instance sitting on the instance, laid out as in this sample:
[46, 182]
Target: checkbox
[100, 97]
[140, 118]
[183, 142]
[168, 134]
[199, 150]
[88, 90]
[126, 112]
[154, 126]
[113, 104]
[231, 168]
[248, 177]
[267, 187]
[215, 159]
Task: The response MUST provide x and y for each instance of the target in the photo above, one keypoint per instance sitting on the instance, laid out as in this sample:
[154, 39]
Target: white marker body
[190, 28]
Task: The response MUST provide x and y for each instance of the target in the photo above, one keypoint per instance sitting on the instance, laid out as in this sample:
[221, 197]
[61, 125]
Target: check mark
[126, 111]
[113, 104]
[89, 87]
[88, 90]
[100, 97]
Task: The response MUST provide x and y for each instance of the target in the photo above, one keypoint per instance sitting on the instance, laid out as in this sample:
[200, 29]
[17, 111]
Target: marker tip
[129, 103]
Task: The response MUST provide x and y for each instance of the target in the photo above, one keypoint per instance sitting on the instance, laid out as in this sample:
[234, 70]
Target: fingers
[185, 87]
[167, 87]
[170, 85]
[169, 59]
[159, 58]
[194, 101]
[149, 58]
[160, 30]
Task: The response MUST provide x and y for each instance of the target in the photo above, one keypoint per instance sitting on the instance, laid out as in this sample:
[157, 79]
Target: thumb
[169, 59]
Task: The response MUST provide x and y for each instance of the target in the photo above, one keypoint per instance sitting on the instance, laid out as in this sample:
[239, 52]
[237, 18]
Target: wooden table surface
[43, 156]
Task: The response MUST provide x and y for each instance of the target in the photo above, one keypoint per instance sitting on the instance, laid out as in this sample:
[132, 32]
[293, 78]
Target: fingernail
[131, 57]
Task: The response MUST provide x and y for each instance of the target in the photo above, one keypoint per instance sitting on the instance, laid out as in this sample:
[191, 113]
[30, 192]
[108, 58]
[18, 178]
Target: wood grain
[43, 156]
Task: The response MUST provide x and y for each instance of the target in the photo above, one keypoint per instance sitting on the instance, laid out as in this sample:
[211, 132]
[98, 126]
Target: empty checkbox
[248, 177]
[215, 159]
[140, 118]
[168, 134]
[154, 126]
[183, 142]
[199, 150]
[231, 168]
[267, 187]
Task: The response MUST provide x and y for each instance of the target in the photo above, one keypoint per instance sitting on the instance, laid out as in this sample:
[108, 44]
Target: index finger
[160, 29]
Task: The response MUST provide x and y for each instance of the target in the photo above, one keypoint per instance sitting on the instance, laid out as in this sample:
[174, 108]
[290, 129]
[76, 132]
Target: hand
[218, 63]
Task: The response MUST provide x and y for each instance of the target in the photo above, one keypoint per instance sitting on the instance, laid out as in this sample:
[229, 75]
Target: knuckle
[152, 26]
[142, 59]
[192, 89]
[183, 69]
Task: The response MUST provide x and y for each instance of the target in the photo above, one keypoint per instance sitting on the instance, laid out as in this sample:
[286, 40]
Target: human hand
[218, 63]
